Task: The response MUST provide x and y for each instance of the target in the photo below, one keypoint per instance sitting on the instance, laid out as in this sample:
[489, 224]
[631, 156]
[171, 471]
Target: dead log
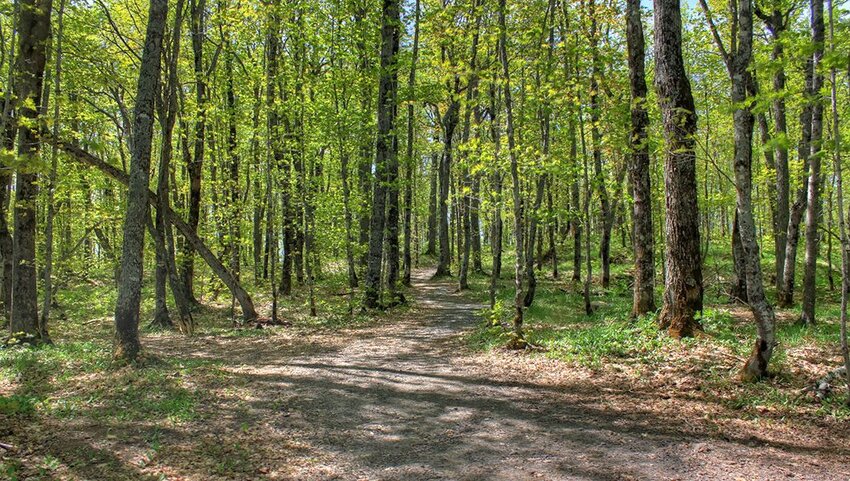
[249, 313]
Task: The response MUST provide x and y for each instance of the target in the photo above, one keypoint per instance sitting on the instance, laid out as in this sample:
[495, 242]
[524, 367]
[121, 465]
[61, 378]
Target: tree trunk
[5, 234]
[386, 162]
[127, 344]
[496, 195]
[231, 183]
[410, 161]
[575, 201]
[519, 338]
[34, 30]
[785, 297]
[51, 186]
[606, 212]
[639, 167]
[449, 121]
[683, 290]
[839, 192]
[776, 22]
[738, 289]
[161, 231]
[532, 239]
[431, 249]
[195, 167]
[738, 64]
[813, 207]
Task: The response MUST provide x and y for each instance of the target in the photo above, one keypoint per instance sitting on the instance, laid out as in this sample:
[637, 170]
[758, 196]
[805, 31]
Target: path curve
[403, 401]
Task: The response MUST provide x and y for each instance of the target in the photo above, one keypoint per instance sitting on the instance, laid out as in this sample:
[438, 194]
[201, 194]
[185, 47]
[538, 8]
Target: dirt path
[405, 401]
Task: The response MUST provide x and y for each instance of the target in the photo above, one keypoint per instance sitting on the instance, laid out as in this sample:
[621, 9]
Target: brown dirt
[406, 400]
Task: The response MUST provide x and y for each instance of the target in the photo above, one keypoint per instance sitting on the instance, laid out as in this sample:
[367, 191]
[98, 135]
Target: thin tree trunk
[410, 161]
[449, 121]
[195, 167]
[777, 22]
[127, 344]
[738, 289]
[51, 185]
[639, 167]
[606, 212]
[519, 338]
[813, 208]
[496, 195]
[431, 249]
[842, 228]
[785, 298]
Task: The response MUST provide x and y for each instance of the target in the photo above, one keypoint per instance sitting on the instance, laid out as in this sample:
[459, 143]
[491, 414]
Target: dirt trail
[404, 401]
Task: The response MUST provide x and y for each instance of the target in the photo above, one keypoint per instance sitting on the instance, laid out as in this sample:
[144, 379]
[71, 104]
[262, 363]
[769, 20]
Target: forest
[424, 239]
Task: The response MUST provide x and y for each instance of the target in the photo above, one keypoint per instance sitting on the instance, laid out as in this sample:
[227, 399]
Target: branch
[83, 157]
[715, 34]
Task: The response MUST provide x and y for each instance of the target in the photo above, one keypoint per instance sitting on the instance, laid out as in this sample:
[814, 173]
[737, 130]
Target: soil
[407, 400]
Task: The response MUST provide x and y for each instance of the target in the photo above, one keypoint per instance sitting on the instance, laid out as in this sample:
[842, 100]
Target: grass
[556, 321]
[77, 379]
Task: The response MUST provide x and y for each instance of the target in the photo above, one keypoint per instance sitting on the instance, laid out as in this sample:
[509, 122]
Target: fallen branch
[7, 447]
[249, 313]
[822, 387]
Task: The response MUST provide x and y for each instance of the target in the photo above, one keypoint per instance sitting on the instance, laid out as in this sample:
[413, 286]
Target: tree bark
[431, 249]
[785, 297]
[683, 290]
[596, 136]
[450, 120]
[643, 244]
[34, 31]
[519, 338]
[496, 194]
[5, 234]
[51, 186]
[839, 193]
[813, 207]
[738, 289]
[386, 162]
[195, 167]
[410, 161]
[127, 344]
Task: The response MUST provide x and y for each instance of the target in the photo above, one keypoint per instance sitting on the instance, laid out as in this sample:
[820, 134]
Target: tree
[127, 344]
[386, 159]
[683, 287]
[519, 300]
[410, 161]
[639, 167]
[813, 206]
[34, 31]
[737, 59]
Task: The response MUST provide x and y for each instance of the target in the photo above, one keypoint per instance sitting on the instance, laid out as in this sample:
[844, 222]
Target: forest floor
[405, 398]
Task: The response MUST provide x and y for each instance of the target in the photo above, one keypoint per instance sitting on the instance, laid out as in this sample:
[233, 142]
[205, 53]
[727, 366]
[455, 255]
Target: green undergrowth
[78, 379]
[557, 323]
